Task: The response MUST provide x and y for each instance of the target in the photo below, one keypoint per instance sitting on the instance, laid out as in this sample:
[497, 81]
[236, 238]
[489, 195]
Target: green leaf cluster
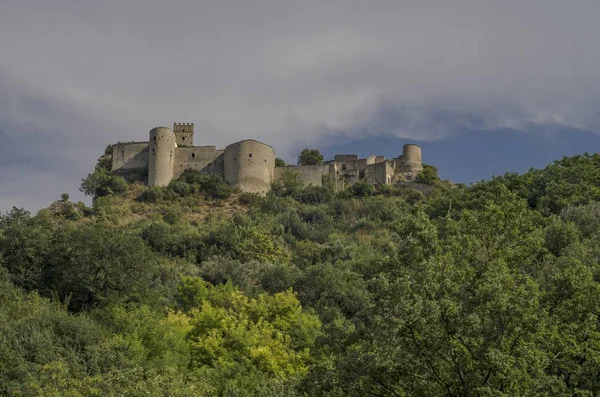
[483, 290]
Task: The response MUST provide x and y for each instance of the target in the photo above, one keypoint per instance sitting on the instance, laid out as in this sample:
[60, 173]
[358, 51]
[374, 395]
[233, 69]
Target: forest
[193, 289]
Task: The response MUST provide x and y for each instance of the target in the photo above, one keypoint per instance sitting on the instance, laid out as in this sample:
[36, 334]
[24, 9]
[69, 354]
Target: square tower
[184, 134]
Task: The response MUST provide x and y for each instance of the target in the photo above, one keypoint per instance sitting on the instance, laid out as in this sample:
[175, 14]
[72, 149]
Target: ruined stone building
[249, 165]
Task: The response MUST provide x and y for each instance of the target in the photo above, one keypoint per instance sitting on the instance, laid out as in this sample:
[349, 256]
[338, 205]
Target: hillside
[195, 289]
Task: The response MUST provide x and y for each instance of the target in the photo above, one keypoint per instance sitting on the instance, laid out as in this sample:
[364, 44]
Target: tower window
[193, 154]
[183, 138]
[250, 155]
[123, 153]
[154, 138]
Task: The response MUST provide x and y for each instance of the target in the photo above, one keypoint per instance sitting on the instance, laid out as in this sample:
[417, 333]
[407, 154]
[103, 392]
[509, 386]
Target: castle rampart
[250, 165]
[130, 156]
[309, 174]
[162, 159]
[206, 159]
[410, 161]
[184, 134]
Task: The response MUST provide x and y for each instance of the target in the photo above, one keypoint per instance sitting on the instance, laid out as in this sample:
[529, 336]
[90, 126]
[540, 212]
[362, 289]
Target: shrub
[192, 177]
[211, 186]
[414, 196]
[172, 215]
[152, 194]
[102, 183]
[362, 189]
[216, 188]
[180, 187]
[388, 190]
[289, 184]
[429, 175]
[105, 161]
[310, 157]
[312, 195]
[248, 198]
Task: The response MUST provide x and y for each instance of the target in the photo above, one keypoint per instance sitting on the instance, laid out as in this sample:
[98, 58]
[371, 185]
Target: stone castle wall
[184, 134]
[309, 174]
[130, 160]
[206, 159]
[130, 155]
[249, 165]
[380, 173]
[162, 156]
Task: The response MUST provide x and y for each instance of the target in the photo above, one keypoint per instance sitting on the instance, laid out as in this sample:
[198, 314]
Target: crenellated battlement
[184, 134]
[250, 165]
[183, 127]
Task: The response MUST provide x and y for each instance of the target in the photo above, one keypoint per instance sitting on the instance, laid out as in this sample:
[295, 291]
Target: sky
[484, 86]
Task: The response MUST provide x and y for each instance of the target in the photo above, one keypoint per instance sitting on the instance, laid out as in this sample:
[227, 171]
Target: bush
[105, 161]
[102, 183]
[180, 187]
[429, 175]
[248, 198]
[362, 189]
[152, 194]
[192, 177]
[312, 195]
[172, 215]
[289, 185]
[414, 196]
[216, 188]
[310, 157]
[211, 186]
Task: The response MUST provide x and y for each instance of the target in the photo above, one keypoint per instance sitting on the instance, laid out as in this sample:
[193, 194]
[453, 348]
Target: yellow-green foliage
[261, 246]
[270, 333]
[487, 290]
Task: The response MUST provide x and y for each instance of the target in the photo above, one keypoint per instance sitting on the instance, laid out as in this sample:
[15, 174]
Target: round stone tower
[411, 159]
[162, 156]
[249, 165]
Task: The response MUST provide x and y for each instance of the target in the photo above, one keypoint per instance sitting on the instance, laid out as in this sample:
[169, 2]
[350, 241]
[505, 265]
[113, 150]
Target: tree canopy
[310, 157]
[193, 289]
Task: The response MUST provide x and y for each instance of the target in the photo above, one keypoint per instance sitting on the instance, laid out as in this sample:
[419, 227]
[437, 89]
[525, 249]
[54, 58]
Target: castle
[249, 165]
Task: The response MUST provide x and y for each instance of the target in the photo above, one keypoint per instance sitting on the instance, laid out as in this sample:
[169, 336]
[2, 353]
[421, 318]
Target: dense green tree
[289, 184]
[483, 290]
[231, 332]
[102, 183]
[428, 175]
[310, 157]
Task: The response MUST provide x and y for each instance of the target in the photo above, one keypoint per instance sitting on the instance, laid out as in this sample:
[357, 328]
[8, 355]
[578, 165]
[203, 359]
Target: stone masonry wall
[130, 160]
[380, 173]
[249, 166]
[130, 155]
[205, 159]
[162, 156]
[309, 174]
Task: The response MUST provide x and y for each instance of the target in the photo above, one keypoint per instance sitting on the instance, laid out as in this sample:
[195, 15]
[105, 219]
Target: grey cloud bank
[77, 75]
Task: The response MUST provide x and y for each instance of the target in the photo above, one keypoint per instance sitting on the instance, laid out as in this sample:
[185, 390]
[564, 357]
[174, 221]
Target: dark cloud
[77, 75]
